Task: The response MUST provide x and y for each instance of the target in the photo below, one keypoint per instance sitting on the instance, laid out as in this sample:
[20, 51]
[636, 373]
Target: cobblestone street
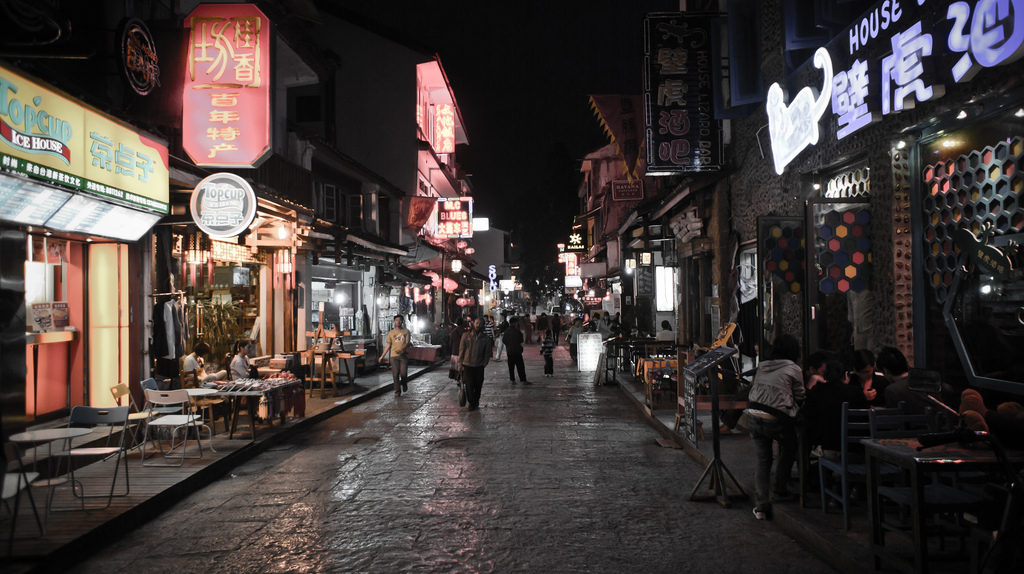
[556, 476]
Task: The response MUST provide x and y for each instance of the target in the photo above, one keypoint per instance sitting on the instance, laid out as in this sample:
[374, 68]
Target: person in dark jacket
[774, 402]
[512, 338]
[474, 353]
[824, 408]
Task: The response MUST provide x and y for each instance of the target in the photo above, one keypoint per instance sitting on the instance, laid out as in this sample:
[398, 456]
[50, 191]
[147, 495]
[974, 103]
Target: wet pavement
[557, 476]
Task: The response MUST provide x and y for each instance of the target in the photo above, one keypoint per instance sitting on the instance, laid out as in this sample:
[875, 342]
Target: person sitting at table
[241, 368]
[896, 369]
[814, 369]
[864, 377]
[823, 411]
[196, 361]
[666, 334]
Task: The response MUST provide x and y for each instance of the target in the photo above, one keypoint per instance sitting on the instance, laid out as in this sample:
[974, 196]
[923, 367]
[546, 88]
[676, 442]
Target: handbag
[462, 395]
[453, 369]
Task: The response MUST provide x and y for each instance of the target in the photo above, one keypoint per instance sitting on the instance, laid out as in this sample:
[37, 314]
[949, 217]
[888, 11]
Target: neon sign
[454, 217]
[981, 34]
[444, 128]
[226, 93]
[794, 127]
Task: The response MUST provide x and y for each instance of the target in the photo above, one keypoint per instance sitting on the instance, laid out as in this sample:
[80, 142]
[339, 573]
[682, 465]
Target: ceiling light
[1019, 113]
[961, 115]
[901, 144]
[816, 186]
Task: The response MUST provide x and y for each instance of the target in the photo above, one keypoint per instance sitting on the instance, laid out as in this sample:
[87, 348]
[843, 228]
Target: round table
[48, 436]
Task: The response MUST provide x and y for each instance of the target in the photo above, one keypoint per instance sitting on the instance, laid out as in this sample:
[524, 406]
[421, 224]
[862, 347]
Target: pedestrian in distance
[573, 336]
[542, 326]
[489, 327]
[454, 338]
[774, 402]
[397, 343]
[499, 345]
[474, 354]
[513, 341]
[556, 326]
[547, 348]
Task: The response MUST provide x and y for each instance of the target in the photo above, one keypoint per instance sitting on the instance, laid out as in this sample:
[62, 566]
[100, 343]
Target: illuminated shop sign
[576, 242]
[226, 94]
[492, 278]
[454, 217]
[51, 138]
[682, 134]
[444, 128]
[896, 55]
[623, 190]
[223, 205]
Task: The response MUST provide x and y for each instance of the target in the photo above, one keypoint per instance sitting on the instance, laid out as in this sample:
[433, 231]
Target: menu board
[694, 372]
[27, 203]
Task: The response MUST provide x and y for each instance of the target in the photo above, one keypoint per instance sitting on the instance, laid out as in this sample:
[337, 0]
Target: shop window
[329, 202]
[352, 216]
[972, 221]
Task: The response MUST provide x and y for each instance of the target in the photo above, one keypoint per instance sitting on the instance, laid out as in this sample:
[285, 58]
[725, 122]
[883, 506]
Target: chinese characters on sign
[52, 138]
[226, 100]
[682, 133]
[223, 205]
[454, 217]
[895, 57]
[444, 128]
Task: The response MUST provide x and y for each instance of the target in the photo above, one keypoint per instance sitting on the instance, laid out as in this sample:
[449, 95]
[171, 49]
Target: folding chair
[135, 417]
[115, 418]
[14, 483]
[184, 420]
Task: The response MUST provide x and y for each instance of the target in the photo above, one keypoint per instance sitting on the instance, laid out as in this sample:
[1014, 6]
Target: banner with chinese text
[226, 99]
[682, 133]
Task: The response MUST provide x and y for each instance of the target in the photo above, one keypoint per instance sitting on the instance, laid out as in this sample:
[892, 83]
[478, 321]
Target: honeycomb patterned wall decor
[853, 183]
[979, 187]
[843, 248]
[902, 254]
[784, 248]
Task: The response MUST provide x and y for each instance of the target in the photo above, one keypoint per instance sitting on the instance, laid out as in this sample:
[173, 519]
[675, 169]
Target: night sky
[521, 73]
[521, 76]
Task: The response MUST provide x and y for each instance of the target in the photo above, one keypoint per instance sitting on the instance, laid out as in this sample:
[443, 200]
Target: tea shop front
[79, 191]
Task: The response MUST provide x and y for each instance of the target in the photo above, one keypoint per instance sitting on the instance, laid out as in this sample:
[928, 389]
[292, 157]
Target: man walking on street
[398, 343]
[513, 341]
[474, 354]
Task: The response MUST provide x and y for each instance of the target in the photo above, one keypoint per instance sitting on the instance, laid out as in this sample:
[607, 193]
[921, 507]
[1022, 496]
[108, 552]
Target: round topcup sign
[223, 205]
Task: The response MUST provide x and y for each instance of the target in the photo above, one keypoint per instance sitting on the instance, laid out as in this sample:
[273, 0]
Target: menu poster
[59, 315]
[41, 318]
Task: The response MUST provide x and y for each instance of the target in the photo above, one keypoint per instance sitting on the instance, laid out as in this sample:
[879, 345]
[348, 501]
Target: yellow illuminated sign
[50, 137]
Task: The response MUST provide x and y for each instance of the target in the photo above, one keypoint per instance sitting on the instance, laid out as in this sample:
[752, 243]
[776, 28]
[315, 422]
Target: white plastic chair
[184, 420]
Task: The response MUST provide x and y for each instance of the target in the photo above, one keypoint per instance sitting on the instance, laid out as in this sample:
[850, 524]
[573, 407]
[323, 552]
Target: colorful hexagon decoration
[843, 248]
[784, 246]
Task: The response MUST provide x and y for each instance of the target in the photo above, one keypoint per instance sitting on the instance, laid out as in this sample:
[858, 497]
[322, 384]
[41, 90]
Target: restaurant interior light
[962, 115]
[901, 144]
[1019, 113]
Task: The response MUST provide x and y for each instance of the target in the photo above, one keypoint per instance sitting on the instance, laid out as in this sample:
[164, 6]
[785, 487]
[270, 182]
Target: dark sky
[521, 74]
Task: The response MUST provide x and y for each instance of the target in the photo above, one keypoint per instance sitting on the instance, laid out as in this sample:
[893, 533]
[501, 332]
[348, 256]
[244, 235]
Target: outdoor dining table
[903, 453]
[247, 393]
[49, 437]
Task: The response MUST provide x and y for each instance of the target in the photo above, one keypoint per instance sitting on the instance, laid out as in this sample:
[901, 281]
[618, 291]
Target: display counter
[427, 353]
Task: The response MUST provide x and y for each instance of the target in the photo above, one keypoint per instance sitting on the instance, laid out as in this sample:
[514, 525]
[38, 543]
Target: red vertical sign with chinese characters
[226, 99]
[444, 128]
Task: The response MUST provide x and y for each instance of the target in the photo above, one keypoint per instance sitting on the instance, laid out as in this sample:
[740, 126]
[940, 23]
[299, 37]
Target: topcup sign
[223, 205]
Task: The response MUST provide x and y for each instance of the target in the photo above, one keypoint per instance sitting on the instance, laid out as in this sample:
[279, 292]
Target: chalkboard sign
[708, 360]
